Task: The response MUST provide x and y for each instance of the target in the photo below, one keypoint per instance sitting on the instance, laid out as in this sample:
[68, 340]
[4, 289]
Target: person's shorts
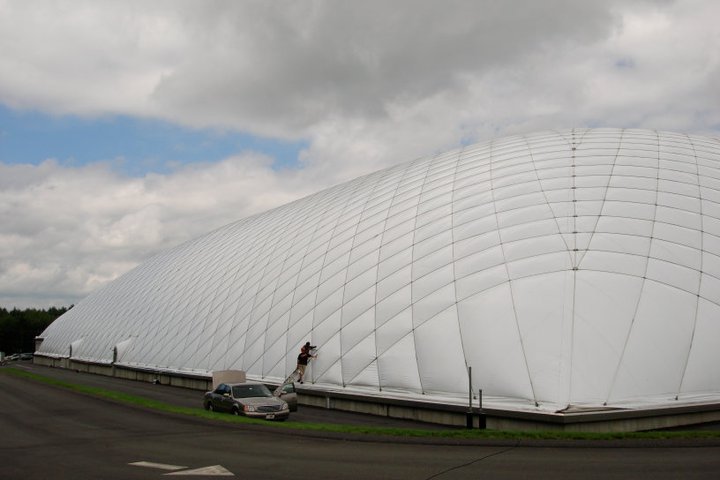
[301, 369]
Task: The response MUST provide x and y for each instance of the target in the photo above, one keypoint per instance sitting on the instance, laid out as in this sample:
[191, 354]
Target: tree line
[18, 328]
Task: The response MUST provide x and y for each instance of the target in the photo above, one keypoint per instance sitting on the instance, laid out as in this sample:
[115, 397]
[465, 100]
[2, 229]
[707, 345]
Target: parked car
[250, 399]
[287, 392]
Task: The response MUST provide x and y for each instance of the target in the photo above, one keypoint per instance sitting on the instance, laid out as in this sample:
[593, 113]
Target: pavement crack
[467, 464]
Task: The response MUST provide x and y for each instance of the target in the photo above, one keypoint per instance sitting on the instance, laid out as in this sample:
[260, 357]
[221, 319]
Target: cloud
[283, 67]
[364, 84]
[65, 232]
[298, 69]
[275, 68]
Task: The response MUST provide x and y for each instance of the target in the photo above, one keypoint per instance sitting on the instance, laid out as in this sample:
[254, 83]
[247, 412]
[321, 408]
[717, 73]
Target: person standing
[304, 358]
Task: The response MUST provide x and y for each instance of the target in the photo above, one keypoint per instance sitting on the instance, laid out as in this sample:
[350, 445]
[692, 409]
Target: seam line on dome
[604, 199]
[377, 278]
[454, 275]
[700, 279]
[567, 387]
[344, 287]
[509, 283]
[643, 281]
[412, 269]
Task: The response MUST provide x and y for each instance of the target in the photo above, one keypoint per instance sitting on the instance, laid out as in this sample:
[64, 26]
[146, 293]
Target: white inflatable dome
[568, 268]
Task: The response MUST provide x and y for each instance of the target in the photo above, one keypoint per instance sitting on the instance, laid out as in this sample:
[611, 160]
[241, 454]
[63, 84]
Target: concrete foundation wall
[602, 424]
[384, 409]
[174, 379]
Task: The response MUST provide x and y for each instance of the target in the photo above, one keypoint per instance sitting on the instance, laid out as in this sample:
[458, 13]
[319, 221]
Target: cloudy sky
[127, 127]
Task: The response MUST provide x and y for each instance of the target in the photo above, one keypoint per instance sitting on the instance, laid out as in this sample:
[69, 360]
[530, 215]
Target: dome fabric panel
[568, 268]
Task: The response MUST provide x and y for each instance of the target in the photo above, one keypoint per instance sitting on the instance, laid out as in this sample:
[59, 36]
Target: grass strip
[362, 430]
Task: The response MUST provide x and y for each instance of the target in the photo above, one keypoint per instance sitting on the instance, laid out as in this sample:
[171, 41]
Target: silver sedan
[249, 399]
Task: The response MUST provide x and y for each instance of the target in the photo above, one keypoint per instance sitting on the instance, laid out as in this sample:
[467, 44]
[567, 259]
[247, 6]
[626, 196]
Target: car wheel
[236, 411]
[209, 407]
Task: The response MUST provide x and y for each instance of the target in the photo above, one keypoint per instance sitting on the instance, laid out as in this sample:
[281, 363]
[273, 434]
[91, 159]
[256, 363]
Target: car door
[226, 399]
[214, 398]
[289, 395]
[218, 398]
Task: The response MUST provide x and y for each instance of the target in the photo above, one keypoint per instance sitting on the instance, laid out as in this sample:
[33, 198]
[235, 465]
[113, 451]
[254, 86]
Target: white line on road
[161, 466]
[217, 470]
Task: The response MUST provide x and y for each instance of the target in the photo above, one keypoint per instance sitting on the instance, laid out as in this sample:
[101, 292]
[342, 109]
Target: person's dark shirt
[303, 358]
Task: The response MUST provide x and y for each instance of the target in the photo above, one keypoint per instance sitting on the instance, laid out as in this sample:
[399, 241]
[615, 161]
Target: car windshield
[247, 391]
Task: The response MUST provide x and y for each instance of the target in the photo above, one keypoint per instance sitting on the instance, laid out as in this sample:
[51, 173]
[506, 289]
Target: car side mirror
[226, 394]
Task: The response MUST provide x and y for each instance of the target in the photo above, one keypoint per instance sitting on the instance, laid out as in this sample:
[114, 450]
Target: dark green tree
[18, 328]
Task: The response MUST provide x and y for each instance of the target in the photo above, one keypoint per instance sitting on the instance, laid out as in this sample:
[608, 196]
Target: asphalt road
[48, 432]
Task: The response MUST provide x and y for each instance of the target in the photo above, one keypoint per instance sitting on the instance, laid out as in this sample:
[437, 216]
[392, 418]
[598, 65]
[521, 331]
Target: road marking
[161, 466]
[217, 470]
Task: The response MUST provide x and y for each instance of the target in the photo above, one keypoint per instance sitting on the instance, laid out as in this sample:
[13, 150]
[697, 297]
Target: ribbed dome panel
[573, 267]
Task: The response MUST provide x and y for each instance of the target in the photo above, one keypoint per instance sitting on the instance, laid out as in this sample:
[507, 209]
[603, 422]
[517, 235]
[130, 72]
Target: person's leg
[301, 369]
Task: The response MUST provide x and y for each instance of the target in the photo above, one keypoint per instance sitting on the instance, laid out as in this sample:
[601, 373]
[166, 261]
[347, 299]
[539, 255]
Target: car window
[248, 391]
[222, 388]
[289, 388]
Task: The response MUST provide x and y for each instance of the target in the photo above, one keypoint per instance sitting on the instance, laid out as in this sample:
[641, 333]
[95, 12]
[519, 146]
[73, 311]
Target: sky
[129, 127]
